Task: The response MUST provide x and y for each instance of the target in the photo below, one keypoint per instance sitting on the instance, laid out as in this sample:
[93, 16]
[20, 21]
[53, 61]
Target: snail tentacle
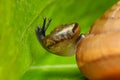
[43, 26]
[40, 31]
[47, 25]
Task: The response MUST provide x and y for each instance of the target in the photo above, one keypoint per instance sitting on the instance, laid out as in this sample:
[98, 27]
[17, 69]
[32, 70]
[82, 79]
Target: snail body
[62, 40]
[98, 54]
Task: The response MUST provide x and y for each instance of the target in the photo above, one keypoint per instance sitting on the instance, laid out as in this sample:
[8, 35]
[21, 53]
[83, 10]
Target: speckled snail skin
[97, 53]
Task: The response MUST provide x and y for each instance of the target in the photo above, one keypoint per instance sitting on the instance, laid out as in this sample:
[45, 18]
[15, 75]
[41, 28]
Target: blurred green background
[21, 56]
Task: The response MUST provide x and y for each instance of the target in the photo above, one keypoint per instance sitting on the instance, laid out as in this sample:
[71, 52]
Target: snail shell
[62, 40]
[98, 54]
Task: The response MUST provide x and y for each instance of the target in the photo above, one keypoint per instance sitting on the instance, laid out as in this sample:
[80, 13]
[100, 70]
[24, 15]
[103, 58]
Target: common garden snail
[97, 53]
[62, 40]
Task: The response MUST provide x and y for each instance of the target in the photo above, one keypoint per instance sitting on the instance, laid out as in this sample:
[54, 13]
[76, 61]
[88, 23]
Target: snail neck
[79, 39]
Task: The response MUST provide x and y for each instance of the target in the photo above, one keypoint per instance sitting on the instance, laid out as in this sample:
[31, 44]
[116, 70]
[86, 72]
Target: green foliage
[20, 50]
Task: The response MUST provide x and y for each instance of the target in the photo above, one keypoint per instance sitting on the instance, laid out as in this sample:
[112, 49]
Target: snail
[62, 40]
[97, 52]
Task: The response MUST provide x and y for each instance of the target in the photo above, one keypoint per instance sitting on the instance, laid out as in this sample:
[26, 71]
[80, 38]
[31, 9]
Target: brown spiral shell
[98, 54]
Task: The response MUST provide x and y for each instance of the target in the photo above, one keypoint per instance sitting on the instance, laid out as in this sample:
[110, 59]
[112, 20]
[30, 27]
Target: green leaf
[21, 55]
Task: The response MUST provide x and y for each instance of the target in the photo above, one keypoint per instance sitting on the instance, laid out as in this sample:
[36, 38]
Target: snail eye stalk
[40, 31]
[45, 26]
